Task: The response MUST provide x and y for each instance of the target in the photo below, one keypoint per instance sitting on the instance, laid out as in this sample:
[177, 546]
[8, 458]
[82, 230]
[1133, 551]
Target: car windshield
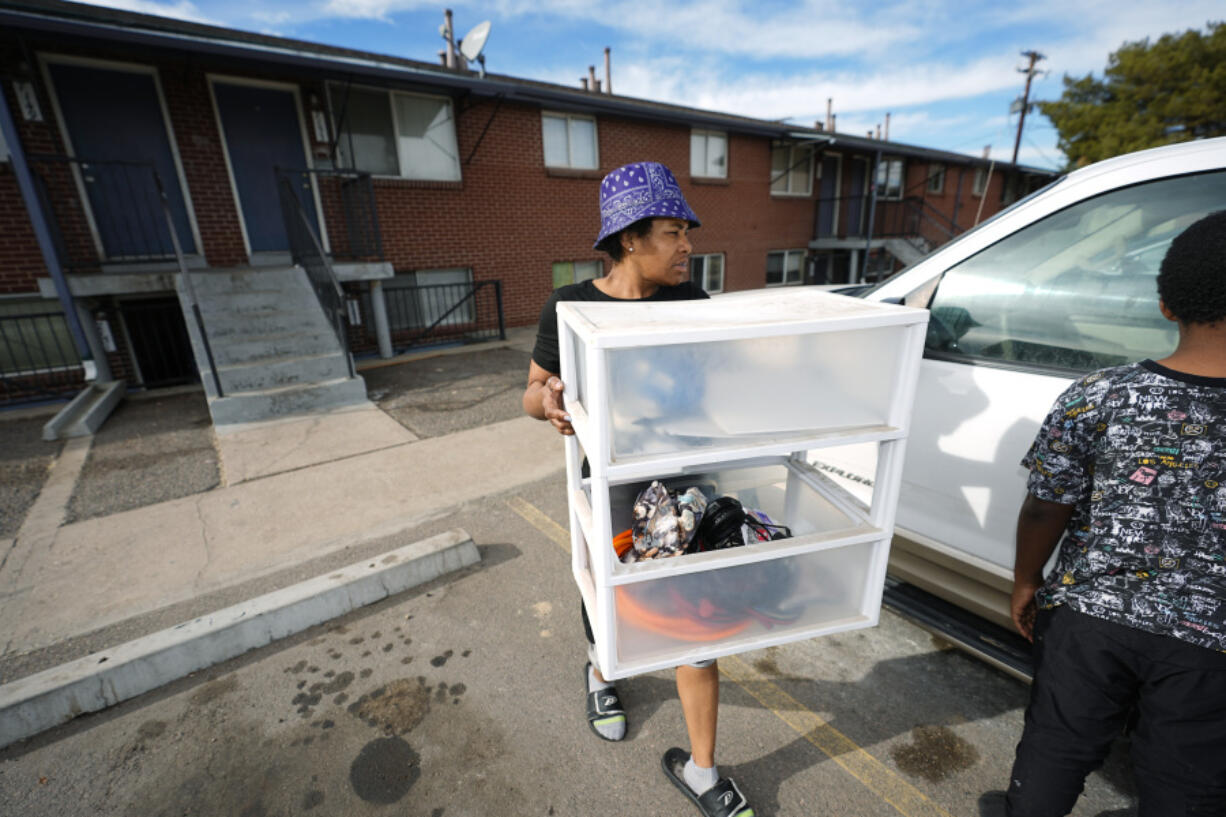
[1077, 290]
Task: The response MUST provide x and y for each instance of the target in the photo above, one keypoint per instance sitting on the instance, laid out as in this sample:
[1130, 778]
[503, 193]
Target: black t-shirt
[545, 352]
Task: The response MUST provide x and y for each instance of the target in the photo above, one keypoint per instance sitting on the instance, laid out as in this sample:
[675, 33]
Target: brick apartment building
[416, 179]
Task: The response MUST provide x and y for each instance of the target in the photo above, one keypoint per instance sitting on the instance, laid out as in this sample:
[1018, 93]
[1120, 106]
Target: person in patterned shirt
[1128, 476]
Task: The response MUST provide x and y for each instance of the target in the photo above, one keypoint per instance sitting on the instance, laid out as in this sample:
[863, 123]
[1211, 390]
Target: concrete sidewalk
[294, 490]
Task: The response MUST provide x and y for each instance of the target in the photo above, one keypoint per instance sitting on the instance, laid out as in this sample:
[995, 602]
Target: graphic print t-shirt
[1141, 451]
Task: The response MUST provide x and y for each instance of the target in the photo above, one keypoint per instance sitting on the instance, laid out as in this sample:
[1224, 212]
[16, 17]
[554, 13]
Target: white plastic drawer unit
[730, 394]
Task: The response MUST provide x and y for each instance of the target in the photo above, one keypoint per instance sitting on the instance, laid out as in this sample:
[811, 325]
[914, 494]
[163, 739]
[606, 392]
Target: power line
[1042, 153]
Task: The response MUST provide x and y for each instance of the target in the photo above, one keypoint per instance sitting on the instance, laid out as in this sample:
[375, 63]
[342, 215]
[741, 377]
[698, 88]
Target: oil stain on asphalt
[385, 770]
[934, 753]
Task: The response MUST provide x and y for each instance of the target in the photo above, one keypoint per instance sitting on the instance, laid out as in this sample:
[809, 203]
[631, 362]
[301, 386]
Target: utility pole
[1029, 71]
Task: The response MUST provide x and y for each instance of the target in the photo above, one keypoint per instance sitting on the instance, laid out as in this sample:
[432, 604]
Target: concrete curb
[53, 697]
[87, 411]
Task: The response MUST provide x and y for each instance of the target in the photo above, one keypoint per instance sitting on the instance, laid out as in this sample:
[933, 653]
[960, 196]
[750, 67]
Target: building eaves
[114, 25]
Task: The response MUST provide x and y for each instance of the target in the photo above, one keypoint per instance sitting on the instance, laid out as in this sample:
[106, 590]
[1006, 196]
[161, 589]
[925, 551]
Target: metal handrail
[309, 254]
[190, 288]
[359, 212]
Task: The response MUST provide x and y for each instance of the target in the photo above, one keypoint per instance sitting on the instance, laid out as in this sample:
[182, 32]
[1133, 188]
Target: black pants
[1089, 674]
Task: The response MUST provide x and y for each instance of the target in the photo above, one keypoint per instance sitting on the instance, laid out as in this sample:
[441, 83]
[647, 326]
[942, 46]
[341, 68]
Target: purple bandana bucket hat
[640, 190]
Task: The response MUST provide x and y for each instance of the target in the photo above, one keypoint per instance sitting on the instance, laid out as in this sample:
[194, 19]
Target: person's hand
[1022, 605]
[555, 410]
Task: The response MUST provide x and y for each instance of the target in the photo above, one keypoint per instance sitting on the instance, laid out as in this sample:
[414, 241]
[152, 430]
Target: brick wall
[511, 218]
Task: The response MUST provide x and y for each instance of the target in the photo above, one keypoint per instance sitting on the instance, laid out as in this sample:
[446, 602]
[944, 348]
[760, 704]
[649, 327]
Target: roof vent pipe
[591, 78]
[583, 82]
[887, 126]
[834, 122]
[608, 70]
[449, 36]
[829, 113]
[878, 130]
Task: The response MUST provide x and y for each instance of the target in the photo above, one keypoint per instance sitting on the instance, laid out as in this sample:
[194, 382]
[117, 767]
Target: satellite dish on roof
[474, 41]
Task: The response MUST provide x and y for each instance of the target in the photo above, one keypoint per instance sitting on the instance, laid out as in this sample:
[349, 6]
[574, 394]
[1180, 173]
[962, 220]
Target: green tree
[1171, 90]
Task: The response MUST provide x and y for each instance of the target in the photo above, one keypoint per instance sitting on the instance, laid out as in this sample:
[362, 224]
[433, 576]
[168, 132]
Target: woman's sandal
[603, 707]
[723, 799]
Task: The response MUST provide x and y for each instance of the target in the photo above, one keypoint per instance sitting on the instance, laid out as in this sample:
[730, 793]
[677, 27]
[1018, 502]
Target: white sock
[594, 683]
[699, 778]
[613, 727]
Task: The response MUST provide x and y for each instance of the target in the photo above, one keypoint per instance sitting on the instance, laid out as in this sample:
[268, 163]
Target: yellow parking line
[876, 776]
[537, 519]
[870, 771]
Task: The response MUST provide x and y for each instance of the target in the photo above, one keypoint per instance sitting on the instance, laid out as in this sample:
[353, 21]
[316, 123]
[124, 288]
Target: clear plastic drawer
[677, 619]
[754, 391]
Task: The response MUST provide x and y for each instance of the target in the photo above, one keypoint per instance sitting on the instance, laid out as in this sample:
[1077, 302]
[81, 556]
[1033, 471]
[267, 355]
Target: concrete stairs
[275, 350]
[905, 250]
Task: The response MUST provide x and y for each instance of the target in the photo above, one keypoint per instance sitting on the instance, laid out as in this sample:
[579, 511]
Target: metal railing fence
[106, 211]
[846, 217]
[38, 360]
[428, 314]
[349, 210]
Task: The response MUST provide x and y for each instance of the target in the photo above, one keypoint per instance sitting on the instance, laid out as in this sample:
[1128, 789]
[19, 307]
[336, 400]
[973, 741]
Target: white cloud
[180, 10]
[802, 96]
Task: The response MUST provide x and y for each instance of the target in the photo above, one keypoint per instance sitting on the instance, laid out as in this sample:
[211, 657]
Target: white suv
[1061, 283]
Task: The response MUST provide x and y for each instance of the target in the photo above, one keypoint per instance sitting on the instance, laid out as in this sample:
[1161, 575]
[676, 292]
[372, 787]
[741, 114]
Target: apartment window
[980, 183]
[936, 178]
[570, 140]
[390, 133]
[573, 272]
[708, 271]
[791, 169]
[783, 267]
[889, 179]
[709, 154]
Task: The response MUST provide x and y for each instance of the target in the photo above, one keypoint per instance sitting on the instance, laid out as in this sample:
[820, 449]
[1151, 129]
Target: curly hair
[612, 244]
[1192, 278]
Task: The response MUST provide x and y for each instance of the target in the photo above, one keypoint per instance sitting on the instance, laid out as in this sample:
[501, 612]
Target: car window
[1077, 290]
[865, 290]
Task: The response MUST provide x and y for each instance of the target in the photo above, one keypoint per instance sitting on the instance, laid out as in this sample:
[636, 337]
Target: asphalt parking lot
[448, 393]
[462, 697]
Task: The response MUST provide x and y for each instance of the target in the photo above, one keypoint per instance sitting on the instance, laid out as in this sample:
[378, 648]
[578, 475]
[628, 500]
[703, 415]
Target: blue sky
[945, 70]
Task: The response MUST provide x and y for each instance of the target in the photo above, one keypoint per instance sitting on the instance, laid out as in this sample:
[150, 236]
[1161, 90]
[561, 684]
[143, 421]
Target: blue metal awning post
[38, 219]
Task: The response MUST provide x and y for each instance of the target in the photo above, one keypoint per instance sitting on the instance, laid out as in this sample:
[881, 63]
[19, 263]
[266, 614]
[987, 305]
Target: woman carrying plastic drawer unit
[644, 225]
